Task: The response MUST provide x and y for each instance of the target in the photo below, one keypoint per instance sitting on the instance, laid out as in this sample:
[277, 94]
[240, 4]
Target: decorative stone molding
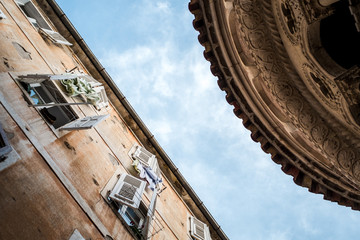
[338, 181]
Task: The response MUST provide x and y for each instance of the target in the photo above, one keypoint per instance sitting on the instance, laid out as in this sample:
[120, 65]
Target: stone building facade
[290, 68]
[76, 161]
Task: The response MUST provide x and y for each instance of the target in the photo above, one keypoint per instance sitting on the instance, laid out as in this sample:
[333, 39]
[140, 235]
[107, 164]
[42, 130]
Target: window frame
[40, 23]
[55, 88]
[194, 222]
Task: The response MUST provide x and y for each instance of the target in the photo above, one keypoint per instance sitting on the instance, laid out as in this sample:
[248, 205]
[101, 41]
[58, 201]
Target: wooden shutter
[38, 78]
[84, 123]
[92, 81]
[55, 37]
[199, 230]
[156, 169]
[145, 157]
[128, 190]
[63, 76]
[34, 78]
[103, 102]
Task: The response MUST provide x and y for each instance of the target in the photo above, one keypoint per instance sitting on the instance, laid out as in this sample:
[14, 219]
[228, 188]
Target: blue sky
[150, 49]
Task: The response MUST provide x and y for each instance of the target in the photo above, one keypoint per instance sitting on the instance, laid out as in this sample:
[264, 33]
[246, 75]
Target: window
[76, 235]
[44, 95]
[199, 230]
[140, 217]
[2, 15]
[5, 147]
[8, 156]
[128, 191]
[134, 218]
[38, 21]
[146, 158]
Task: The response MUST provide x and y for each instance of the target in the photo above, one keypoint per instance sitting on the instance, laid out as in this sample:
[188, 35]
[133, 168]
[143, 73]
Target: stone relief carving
[349, 85]
[325, 89]
[269, 61]
[291, 16]
[313, 11]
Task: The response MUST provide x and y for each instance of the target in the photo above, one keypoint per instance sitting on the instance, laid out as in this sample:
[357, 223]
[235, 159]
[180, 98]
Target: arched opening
[339, 36]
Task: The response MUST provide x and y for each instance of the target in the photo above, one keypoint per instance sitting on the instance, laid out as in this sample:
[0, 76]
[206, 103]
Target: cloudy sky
[150, 49]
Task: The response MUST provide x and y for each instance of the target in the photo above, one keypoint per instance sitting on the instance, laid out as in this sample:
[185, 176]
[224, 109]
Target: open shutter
[128, 190]
[63, 76]
[199, 230]
[84, 123]
[34, 78]
[38, 78]
[55, 37]
[156, 169]
[92, 81]
[103, 102]
[144, 156]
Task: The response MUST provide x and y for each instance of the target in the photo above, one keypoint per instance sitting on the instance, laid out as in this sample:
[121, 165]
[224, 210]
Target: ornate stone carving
[346, 158]
[313, 11]
[270, 62]
[321, 86]
[291, 16]
[349, 85]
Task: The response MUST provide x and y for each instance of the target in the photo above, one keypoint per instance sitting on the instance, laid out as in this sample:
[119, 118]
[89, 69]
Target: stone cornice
[337, 181]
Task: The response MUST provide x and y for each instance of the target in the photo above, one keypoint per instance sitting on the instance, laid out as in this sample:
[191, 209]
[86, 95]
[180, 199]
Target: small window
[128, 191]
[199, 230]
[38, 21]
[43, 94]
[2, 15]
[76, 235]
[134, 218]
[8, 156]
[5, 147]
[145, 157]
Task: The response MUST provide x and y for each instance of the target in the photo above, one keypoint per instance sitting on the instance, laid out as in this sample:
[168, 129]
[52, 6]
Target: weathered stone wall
[34, 201]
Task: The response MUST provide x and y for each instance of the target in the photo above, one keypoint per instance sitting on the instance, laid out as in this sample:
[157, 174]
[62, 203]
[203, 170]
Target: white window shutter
[54, 36]
[145, 157]
[92, 81]
[84, 123]
[63, 76]
[128, 190]
[199, 230]
[156, 169]
[103, 102]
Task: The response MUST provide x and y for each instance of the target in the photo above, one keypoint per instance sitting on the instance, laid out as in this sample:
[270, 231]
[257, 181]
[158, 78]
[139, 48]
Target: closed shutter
[55, 37]
[199, 230]
[144, 156]
[84, 123]
[128, 190]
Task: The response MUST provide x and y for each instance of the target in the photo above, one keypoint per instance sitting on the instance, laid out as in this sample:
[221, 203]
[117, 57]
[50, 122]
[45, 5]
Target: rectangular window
[2, 15]
[5, 147]
[44, 95]
[199, 230]
[38, 21]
